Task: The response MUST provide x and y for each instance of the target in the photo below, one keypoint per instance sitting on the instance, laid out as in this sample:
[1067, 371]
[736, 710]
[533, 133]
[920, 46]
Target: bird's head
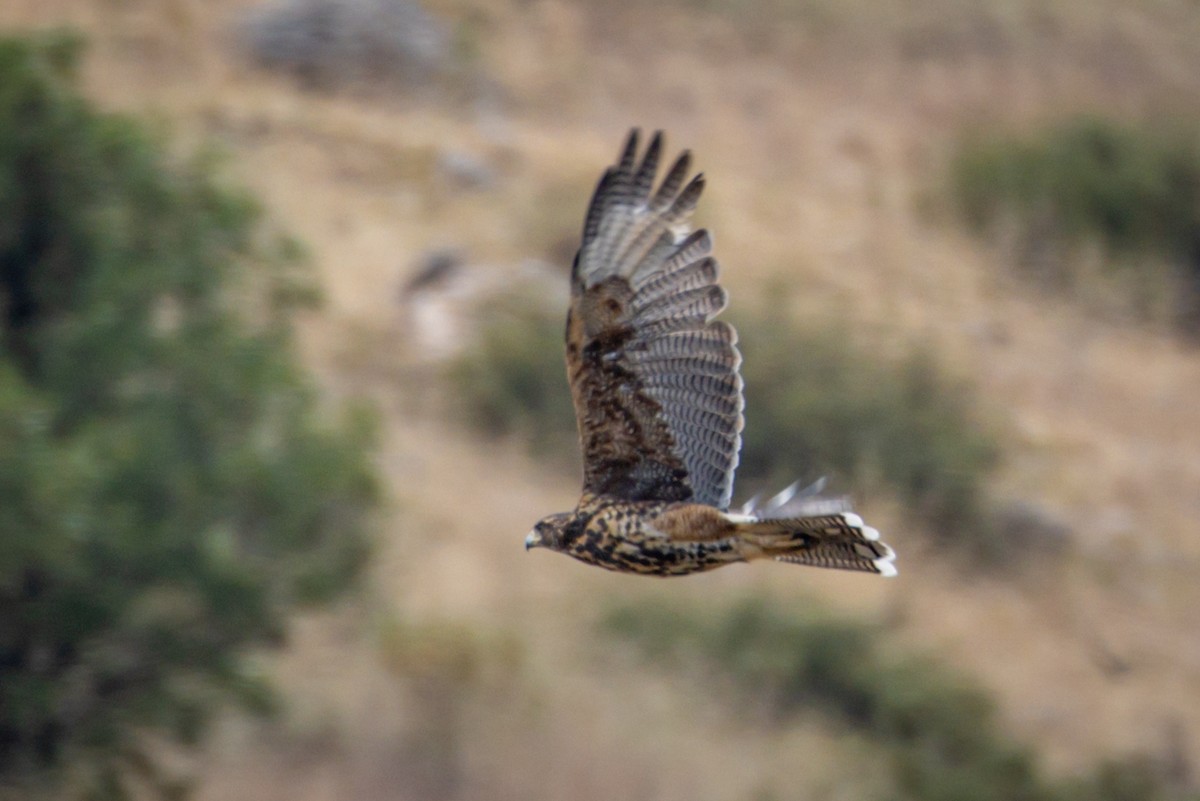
[549, 532]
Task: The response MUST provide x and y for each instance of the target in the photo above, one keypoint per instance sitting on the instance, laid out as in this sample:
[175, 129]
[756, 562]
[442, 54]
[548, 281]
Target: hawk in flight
[658, 398]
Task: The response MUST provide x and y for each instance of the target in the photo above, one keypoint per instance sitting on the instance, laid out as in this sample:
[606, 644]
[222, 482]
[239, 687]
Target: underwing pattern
[658, 396]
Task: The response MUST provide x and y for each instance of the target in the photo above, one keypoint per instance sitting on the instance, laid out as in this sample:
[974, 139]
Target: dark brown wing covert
[654, 378]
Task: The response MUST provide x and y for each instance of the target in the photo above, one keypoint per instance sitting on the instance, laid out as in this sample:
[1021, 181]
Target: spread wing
[654, 378]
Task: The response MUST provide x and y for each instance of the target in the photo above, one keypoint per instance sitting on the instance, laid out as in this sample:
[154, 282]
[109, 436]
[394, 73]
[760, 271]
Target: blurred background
[282, 286]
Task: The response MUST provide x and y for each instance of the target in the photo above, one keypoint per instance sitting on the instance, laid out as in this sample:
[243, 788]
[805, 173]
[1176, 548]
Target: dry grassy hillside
[473, 669]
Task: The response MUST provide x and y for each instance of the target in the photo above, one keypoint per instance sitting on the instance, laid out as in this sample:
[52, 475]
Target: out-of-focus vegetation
[512, 380]
[938, 734]
[168, 490]
[448, 667]
[815, 403]
[1133, 189]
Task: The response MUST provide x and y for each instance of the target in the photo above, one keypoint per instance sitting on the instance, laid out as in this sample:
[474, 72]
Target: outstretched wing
[655, 380]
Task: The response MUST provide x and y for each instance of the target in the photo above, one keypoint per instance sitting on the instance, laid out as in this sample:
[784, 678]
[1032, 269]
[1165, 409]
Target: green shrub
[936, 731]
[168, 489]
[512, 380]
[816, 402]
[939, 734]
[1136, 778]
[1134, 189]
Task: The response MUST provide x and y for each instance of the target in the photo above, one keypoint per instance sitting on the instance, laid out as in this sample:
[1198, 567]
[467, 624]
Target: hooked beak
[533, 540]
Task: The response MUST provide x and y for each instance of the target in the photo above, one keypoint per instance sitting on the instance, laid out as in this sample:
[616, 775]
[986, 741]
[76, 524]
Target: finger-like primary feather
[658, 395]
[644, 289]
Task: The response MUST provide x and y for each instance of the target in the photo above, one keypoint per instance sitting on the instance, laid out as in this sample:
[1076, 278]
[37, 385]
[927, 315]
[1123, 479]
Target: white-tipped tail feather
[816, 536]
[882, 557]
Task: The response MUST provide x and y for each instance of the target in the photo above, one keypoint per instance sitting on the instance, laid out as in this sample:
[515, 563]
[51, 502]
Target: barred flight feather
[698, 274]
[658, 395]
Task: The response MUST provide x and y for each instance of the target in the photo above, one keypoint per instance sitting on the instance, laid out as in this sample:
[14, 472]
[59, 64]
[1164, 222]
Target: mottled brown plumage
[658, 397]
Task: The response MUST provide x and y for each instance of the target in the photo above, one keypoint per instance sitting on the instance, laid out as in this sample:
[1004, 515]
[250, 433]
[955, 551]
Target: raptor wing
[654, 377]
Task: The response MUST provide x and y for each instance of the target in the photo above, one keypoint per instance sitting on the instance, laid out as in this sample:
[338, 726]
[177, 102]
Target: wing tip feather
[637, 230]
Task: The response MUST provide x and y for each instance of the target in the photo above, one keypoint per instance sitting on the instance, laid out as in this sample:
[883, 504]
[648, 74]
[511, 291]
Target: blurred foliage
[1134, 189]
[168, 492]
[940, 735]
[815, 401]
[1132, 779]
[512, 381]
[448, 666]
[447, 651]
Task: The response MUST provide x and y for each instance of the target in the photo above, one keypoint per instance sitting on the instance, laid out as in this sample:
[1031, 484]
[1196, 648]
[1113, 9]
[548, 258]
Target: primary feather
[644, 295]
[658, 395]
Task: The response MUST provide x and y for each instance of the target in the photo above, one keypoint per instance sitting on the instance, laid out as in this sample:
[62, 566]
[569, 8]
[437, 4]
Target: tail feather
[795, 501]
[838, 541]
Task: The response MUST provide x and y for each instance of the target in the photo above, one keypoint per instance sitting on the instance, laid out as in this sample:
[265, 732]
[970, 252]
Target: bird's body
[658, 397]
[633, 537]
[662, 538]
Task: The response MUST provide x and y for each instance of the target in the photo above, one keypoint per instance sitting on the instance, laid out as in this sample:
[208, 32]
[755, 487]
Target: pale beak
[532, 539]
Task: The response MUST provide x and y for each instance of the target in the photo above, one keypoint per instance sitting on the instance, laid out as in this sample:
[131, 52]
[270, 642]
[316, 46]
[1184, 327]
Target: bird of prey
[658, 398]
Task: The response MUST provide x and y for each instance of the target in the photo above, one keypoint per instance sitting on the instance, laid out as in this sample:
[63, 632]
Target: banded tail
[838, 541]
